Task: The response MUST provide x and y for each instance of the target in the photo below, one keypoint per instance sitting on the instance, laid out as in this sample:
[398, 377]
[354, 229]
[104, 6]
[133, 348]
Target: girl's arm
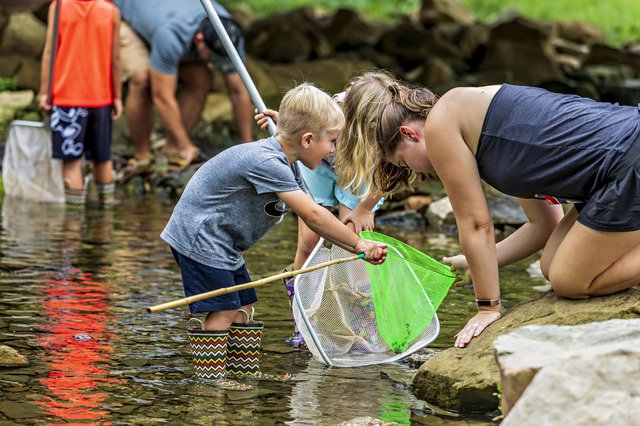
[527, 239]
[325, 224]
[362, 216]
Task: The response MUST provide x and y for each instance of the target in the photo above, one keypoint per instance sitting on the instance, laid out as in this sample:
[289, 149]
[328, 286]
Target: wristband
[487, 302]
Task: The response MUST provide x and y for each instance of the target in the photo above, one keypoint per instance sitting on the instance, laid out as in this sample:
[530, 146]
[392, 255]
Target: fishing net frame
[334, 310]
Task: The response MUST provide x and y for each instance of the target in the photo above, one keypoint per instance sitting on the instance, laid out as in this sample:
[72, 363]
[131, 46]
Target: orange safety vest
[82, 74]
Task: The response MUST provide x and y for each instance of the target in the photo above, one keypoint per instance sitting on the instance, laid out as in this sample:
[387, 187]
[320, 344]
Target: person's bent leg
[594, 263]
[194, 83]
[134, 56]
[139, 113]
[241, 105]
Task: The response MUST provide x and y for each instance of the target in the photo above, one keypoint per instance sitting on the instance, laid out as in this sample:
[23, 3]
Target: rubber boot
[243, 347]
[75, 197]
[106, 194]
[295, 340]
[209, 351]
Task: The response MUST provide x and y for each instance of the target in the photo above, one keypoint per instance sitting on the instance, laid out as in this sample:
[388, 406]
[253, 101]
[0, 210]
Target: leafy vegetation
[618, 18]
[8, 83]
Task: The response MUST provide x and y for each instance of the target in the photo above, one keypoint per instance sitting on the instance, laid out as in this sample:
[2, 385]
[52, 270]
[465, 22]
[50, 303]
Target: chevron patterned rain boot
[209, 351]
[243, 347]
[106, 194]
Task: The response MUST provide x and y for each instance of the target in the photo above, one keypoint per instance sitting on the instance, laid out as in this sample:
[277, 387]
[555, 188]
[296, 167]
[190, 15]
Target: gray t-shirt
[230, 202]
[168, 27]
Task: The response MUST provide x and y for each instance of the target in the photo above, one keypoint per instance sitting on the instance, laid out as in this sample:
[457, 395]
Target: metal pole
[236, 60]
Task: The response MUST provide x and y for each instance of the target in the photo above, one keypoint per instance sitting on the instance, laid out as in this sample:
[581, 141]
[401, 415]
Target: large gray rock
[596, 390]
[524, 352]
[466, 379]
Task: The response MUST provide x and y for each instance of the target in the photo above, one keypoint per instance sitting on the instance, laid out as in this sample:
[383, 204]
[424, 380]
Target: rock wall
[440, 46]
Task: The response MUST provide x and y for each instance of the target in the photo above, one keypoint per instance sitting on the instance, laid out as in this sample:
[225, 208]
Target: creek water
[74, 285]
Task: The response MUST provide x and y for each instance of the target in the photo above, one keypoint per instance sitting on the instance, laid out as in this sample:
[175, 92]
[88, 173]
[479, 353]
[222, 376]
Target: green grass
[618, 18]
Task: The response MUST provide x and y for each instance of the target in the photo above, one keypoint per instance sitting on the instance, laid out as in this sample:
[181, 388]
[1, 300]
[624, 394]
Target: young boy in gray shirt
[236, 196]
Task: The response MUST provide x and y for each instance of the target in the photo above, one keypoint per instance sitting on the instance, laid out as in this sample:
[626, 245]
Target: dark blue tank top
[535, 142]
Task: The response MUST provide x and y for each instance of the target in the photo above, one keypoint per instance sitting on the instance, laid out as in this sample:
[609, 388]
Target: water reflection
[76, 347]
[74, 286]
[74, 316]
[322, 393]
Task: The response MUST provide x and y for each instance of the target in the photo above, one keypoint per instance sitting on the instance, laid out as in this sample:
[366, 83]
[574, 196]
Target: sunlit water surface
[74, 286]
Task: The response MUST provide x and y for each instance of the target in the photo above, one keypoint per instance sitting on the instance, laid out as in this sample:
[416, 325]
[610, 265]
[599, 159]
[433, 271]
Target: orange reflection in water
[78, 349]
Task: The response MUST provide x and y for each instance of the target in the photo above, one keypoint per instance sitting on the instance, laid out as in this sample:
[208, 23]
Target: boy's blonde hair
[357, 151]
[305, 108]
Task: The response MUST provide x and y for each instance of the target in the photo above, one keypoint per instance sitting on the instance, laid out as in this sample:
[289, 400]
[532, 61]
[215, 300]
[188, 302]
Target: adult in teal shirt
[180, 41]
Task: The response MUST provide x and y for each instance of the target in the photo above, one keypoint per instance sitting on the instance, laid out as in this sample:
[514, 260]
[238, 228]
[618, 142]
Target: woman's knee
[566, 285]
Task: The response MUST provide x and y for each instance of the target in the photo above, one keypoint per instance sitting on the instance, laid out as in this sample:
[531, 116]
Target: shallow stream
[74, 286]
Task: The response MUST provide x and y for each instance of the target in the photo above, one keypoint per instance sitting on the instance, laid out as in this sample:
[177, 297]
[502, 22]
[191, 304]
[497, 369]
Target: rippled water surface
[74, 286]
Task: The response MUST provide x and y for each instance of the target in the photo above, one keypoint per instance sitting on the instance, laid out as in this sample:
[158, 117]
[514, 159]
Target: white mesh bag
[334, 311]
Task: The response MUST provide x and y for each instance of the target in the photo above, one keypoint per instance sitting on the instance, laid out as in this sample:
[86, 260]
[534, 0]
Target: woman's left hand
[475, 326]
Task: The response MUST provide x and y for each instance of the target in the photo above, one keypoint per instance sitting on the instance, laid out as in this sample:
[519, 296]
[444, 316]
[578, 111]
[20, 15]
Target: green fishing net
[353, 314]
[406, 290]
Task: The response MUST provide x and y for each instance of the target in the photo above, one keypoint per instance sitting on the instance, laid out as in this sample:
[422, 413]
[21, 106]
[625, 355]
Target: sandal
[134, 167]
[177, 162]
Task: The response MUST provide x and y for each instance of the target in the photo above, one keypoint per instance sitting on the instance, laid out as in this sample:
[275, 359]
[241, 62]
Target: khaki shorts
[134, 53]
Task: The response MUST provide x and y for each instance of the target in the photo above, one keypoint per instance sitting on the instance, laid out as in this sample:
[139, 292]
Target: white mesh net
[334, 311]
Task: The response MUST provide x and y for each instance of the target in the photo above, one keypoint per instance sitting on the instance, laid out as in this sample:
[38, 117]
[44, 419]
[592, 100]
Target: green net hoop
[406, 290]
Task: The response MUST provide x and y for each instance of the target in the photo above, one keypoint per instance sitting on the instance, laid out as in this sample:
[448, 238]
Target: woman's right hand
[374, 253]
[262, 120]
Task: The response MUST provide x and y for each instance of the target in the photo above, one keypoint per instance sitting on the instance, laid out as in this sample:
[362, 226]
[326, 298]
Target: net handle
[252, 284]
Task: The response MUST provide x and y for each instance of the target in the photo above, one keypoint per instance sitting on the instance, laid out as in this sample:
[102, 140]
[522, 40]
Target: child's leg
[221, 320]
[74, 192]
[103, 172]
[99, 151]
[103, 176]
[72, 174]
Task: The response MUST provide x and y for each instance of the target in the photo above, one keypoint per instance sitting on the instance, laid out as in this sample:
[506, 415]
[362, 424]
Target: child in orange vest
[86, 92]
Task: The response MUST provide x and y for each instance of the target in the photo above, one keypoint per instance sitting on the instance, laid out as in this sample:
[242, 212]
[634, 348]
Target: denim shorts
[198, 278]
[323, 186]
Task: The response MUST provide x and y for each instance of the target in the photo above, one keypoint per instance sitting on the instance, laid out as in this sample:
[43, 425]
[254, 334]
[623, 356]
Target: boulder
[571, 374]
[438, 11]
[581, 32]
[9, 357]
[524, 352]
[350, 29]
[465, 380]
[294, 36]
[24, 35]
[329, 74]
[524, 47]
